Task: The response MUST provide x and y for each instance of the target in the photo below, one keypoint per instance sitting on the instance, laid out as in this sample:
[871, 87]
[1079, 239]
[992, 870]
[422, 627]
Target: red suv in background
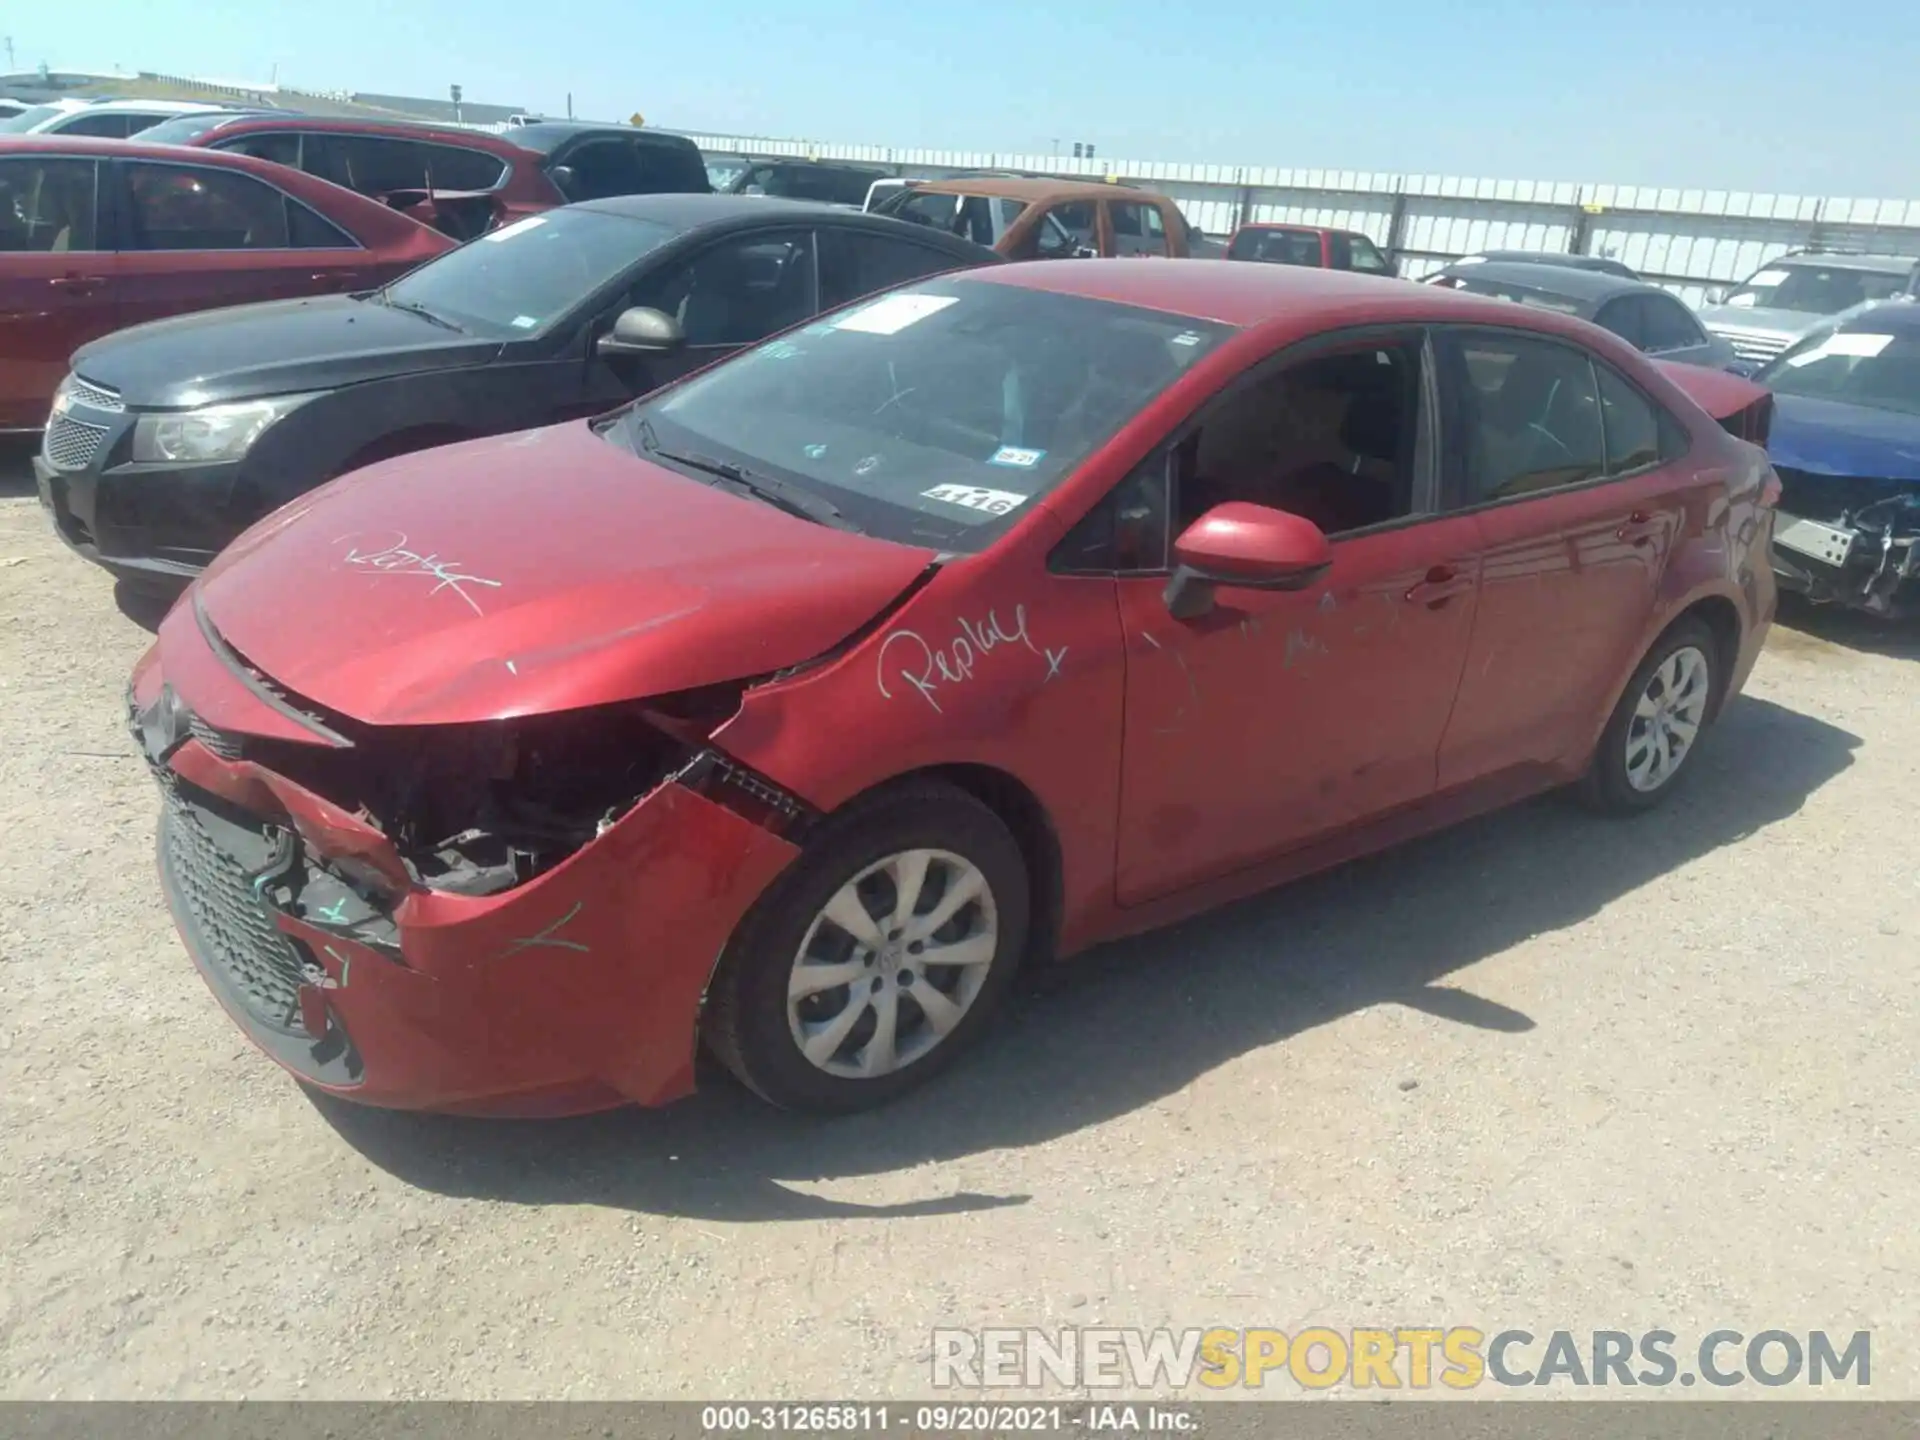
[461, 182]
[97, 235]
[1309, 245]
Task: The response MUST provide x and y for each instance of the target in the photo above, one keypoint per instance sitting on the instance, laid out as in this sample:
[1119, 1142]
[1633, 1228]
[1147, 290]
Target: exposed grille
[230, 929]
[97, 397]
[227, 747]
[1755, 344]
[71, 443]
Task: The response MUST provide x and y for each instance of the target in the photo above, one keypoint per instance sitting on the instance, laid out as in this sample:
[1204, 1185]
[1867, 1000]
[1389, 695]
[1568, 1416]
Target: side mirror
[1251, 546]
[1716, 295]
[563, 178]
[641, 331]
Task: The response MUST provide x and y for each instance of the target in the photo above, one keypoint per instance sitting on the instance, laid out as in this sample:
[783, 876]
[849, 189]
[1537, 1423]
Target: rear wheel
[878, 957]
[1657, 726]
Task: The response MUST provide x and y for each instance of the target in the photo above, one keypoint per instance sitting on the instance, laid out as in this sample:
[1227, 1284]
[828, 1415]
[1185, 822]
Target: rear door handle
[1443, 582]
[1639, 529]
[78, 284]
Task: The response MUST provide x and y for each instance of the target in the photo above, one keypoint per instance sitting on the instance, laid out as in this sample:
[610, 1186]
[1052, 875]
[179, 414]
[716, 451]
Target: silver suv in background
[1794, 294]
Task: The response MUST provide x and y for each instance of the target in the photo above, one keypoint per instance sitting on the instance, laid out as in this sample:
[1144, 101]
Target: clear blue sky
[1780, 95]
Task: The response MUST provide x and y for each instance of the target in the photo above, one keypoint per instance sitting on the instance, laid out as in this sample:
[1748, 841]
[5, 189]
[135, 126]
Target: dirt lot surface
[1544, 1071]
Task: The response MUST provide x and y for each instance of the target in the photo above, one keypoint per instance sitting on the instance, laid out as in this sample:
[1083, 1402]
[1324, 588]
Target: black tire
[746, 1023]
[1606, 787]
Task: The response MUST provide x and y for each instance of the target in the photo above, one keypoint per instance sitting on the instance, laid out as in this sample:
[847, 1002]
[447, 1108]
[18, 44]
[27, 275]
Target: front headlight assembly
[209, 435]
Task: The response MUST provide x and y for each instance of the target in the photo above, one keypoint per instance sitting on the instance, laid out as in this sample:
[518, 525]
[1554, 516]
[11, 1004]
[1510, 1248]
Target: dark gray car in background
[207, 422]
[1645, 316]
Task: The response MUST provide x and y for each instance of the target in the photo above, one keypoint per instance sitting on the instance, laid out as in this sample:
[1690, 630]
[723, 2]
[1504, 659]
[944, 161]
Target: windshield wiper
[776, 492]
[413, 307]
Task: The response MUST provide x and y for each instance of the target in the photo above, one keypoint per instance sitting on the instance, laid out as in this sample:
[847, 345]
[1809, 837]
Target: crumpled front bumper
[576, 991]
[1870, 563]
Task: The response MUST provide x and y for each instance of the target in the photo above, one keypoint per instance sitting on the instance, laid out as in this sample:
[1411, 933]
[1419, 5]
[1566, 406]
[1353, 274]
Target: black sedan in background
[207, 422]
[1645, 316]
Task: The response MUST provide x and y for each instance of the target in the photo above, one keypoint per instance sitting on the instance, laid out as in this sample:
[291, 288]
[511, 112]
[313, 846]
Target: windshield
[23, 122]
[1859, 367]
[183, 128]
[517, 280]
[1815, 289]
[931, 415]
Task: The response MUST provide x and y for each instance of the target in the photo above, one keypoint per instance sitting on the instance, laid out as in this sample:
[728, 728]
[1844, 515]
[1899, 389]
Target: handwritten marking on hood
[397, 559]
[927, 667]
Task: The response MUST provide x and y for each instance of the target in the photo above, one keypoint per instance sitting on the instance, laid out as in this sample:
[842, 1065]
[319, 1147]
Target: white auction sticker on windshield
[893, 313]
[1853, 345]
[519, 227]
[977, 497]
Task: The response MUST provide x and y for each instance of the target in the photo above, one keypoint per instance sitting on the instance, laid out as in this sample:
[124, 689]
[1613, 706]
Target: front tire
[1655, 730]
[878, 957]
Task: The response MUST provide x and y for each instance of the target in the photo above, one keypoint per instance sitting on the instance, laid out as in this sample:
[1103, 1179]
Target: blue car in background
[1845, 439]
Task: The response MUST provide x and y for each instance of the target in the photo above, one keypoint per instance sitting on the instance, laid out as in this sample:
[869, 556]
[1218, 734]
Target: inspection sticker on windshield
[1014, 458]
[519, 227]
[893, 313]
[1853, 345]
[525, 322]
[977, 497]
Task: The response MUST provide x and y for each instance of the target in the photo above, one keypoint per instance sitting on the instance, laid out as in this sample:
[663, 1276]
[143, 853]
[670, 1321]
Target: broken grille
[71, 444]
[227, 747]
[228, 926]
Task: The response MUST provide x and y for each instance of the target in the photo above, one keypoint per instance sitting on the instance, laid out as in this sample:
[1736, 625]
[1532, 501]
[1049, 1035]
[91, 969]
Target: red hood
[535, 572]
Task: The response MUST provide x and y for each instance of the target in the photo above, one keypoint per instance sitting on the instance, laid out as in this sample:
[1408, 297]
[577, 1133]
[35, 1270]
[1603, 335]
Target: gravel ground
[1544, 1071]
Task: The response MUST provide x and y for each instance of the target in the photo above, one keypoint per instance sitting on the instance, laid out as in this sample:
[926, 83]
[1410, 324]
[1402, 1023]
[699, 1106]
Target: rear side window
[1625, 318]
[1277, 247]
[279, 146]
[1529, 412]
[48, 206]
[1137, 228]
[113, 125]
[1367, 259]
[185, 207]
[382, 164]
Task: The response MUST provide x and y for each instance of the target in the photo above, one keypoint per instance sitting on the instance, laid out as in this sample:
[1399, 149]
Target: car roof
[546, 136]
[152, 107]
[1014, 187]
[1572, 282]
[1566, 261]
[721, 211]
[251, 121]
[1888, 264]
[1298, 227]
[1235, 293]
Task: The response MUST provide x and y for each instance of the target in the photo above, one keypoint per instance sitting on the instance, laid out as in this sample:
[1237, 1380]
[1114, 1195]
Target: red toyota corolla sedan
[792, 708]
[97, 235]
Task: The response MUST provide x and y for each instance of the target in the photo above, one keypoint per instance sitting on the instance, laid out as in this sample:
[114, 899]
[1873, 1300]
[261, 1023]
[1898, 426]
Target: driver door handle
[1443, 582]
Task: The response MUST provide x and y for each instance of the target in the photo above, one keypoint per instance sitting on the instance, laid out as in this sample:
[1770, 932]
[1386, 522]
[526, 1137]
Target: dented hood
[535, 572]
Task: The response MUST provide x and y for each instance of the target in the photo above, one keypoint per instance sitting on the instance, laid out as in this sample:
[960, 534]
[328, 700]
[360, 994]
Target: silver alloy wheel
[1667, 719]
[891, 963]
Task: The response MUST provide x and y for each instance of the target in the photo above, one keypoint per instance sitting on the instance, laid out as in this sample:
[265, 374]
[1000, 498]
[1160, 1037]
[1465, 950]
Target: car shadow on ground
[16, 465]
[1851, 629]
[142, 607]
[1134, 1022]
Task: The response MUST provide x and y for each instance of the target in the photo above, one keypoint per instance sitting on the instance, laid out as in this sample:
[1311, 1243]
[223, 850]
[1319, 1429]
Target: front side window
[48, 206]
[1332, 439]
[518, 280]
[105, 125]
[1879, 369]
[1528, 411]
[282, 147]
[1668, 325]
[738, 290]
[855, 263]
[184, 207]
[934, 414]
[1811, 289]
[1367, 259]
[1136, 228]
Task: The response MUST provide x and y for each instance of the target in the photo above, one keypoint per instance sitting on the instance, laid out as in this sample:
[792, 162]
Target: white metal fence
[1686, 240]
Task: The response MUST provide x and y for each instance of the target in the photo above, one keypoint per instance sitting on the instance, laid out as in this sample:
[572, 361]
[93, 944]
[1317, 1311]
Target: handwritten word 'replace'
[920, 665]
